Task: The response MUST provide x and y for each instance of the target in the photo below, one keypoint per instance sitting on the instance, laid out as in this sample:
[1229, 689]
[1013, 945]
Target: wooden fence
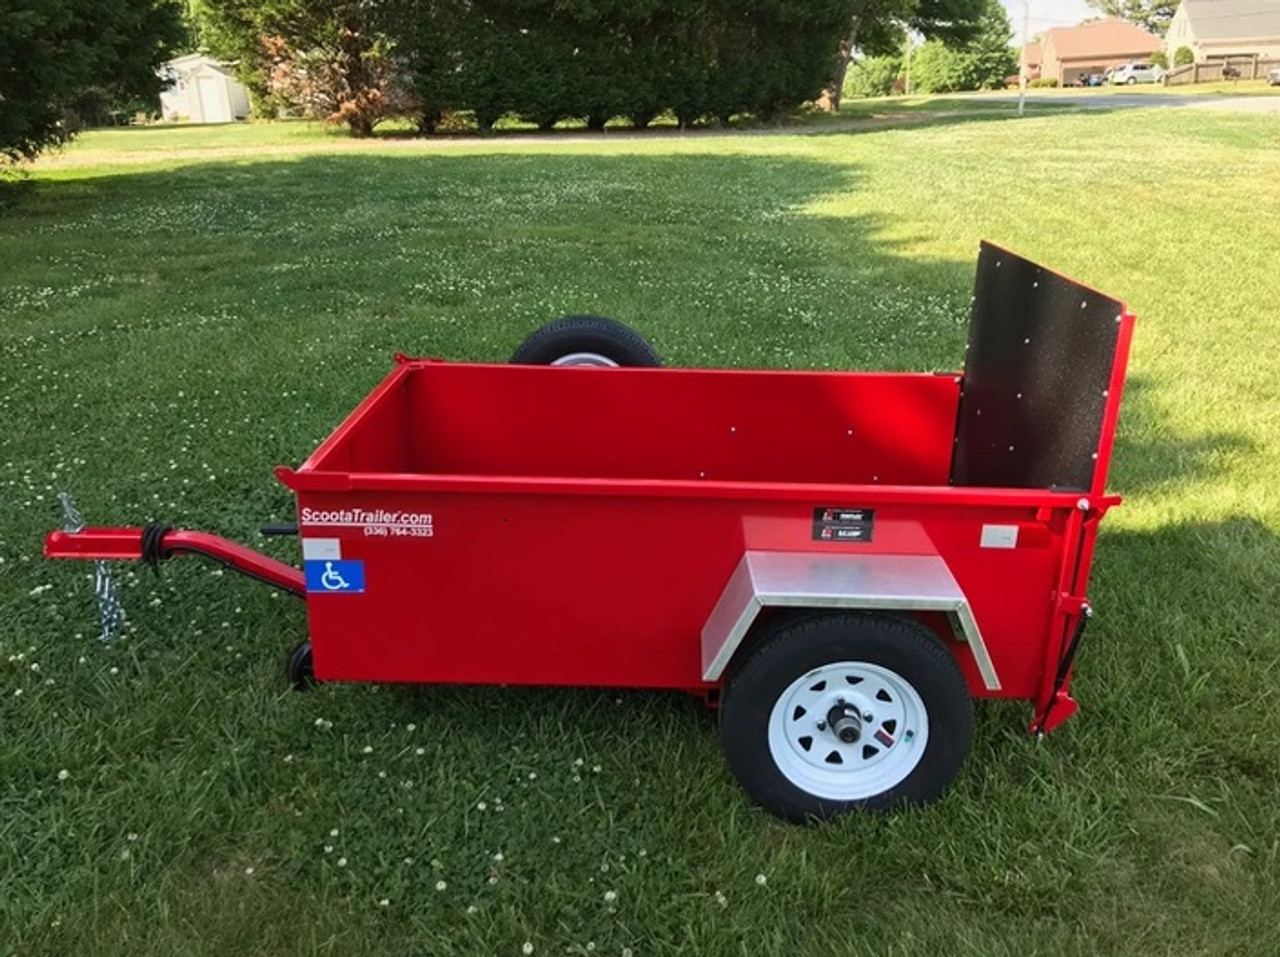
[1251, 68]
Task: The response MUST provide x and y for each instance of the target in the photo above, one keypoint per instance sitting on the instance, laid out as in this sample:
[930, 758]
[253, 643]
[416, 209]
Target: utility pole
[1024, 66]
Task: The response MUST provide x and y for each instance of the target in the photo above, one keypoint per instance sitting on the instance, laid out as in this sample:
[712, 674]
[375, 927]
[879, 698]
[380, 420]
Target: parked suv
[1132, 73]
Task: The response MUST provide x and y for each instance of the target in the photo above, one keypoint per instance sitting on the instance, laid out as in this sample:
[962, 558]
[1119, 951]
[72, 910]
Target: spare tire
[586, 341]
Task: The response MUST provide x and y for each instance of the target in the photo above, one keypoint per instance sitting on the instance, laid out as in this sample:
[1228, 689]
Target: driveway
[1254, 103]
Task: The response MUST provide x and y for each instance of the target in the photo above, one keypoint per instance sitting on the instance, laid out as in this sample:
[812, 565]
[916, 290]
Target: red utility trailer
[840, 561]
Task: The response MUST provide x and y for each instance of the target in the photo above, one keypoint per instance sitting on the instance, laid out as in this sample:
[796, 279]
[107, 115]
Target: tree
[337, 60]
[1184, 56]
[873, 76]
[989, 55]
[56, 53]
[1153, 15]
[878, 27]
[982, 62]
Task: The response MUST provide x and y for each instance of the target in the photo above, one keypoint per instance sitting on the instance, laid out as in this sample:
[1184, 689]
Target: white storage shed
[201, 90]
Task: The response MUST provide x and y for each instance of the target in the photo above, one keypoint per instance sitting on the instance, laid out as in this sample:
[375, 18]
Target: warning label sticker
[843, 524]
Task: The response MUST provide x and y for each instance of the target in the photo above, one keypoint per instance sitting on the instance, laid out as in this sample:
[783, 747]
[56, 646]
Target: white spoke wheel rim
[585, 359]
[892, 724]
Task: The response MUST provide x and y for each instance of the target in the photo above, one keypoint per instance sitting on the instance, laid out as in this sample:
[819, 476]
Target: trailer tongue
[841, 561]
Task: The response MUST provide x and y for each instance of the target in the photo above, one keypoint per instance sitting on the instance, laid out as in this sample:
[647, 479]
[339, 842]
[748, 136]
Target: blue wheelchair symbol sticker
[335, 576]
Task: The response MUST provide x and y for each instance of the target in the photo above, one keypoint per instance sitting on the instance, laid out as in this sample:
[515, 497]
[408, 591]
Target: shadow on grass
[724, 232]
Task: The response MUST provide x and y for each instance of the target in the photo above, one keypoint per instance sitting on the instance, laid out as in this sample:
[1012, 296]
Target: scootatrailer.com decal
[375, 523]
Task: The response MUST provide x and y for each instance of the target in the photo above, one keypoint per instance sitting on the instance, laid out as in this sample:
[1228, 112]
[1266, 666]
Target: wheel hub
[845, 722]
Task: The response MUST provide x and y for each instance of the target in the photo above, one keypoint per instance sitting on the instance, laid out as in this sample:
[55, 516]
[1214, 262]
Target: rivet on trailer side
[840, 561]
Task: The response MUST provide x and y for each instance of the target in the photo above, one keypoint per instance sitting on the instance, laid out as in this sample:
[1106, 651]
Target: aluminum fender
[809, 580]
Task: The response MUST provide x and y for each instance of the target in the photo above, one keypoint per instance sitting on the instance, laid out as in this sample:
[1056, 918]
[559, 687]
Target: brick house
[1071, 54]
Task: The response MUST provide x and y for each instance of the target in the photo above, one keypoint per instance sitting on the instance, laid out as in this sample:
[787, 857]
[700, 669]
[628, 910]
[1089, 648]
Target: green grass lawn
[177, 323]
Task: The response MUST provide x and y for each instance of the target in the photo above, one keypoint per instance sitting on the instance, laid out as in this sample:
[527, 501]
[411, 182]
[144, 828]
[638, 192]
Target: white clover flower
[441, 885]
[384, 902]
[342, 862]
[63, 774]
[411, 727]
[527, 948]
[367, 749]
[610, 896]
[419, 751]
[334, 832]
[498, 857]
[761, 880]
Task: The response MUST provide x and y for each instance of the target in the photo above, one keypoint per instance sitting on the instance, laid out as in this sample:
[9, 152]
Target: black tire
[1132, 81]
[770, 676]
[300, 669]
[592, 338]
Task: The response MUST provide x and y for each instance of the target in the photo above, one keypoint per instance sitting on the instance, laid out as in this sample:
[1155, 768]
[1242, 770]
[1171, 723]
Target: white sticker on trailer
[319, 549]
[999, 536]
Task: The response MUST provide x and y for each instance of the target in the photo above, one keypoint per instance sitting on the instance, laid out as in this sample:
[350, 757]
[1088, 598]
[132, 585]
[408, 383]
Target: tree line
[362, 61]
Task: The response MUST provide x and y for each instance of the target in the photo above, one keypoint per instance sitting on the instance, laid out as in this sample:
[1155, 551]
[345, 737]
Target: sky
[1046, 14]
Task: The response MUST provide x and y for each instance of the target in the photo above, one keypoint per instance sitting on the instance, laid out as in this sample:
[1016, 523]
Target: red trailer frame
[510, 524]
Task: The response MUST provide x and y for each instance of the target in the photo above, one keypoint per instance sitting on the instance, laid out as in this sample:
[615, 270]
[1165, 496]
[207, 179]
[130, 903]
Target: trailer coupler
[157, 542]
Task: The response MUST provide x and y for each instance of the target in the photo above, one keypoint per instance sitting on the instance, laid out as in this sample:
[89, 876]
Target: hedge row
[547, 60]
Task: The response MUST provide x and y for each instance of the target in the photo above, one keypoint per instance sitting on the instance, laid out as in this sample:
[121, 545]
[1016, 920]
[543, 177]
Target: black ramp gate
[1036, 376]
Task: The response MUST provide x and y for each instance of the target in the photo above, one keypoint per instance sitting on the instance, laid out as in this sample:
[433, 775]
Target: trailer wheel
[843, 711]
[586, 341]
[300, 669]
